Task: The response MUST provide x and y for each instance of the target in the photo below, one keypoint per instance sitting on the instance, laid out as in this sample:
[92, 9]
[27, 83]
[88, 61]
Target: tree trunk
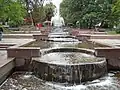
[90, 25]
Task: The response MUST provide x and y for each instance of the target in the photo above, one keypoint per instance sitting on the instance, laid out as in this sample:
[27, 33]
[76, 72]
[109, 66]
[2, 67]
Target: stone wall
[112, 56]
[40, 37]
[23, 56]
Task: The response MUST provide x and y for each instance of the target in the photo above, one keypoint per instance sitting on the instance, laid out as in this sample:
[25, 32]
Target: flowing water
[27, 81]
[68, 58]
[51, 44]
[60, 37]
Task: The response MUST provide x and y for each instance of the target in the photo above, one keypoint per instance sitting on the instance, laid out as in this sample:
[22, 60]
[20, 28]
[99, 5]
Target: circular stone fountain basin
[69, 65]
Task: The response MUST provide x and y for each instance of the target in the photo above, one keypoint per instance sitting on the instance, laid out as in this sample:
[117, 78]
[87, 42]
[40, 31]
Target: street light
[31, 17]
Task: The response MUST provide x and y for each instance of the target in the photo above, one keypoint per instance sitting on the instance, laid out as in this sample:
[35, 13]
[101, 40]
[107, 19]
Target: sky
[55, 2]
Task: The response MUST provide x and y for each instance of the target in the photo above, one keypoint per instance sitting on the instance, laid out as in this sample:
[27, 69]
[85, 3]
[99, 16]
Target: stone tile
[109, 42]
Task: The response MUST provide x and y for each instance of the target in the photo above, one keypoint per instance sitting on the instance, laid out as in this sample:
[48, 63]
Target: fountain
[64, 68]
[71, 65]
[57, 20]
[64, 64]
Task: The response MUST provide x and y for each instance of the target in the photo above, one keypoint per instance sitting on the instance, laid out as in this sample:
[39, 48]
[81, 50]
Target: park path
[109, 42]
[8, 43]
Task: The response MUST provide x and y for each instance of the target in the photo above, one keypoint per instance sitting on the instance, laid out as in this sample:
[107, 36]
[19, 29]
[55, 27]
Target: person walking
[1, 32]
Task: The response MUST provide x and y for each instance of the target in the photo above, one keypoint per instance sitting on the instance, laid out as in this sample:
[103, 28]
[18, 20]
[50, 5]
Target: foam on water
[63, 39]
[17, 82]
[67, 58]
[107, 83]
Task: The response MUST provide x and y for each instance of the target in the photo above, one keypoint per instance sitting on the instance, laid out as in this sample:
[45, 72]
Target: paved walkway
[15, 42]
[20, 36]
[10, 41]
[109, 42]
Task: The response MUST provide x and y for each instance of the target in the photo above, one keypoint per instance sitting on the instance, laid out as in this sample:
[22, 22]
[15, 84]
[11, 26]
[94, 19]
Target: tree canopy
[43, 13]
[49, 10]
[39, 12]
[12, 11]
[91, 12]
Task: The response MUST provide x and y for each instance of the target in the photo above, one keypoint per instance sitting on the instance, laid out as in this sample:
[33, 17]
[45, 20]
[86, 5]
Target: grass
[111, 32]
[7, 31]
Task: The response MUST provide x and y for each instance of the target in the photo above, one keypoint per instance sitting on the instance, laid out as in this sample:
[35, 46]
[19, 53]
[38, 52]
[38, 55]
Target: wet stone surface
[50, 44]
[67, 58]
[71, 67]
[27, 81]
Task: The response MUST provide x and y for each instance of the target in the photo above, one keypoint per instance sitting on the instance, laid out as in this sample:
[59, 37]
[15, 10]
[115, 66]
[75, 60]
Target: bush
[14, 24]
[118, 31]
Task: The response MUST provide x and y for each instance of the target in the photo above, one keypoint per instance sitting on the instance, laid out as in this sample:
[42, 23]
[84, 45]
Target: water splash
[27, 81]
[57, 20]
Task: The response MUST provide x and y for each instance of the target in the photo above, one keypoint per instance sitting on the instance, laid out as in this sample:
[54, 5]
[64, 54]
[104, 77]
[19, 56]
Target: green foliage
[111, 32]
[43, 13]
[12, 10]
[38, 14]
[49, 10]
[118, 29]
[116, 13]
[91, 12]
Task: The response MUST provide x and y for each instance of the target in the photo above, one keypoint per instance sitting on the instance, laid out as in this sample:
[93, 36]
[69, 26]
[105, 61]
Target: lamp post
[31, 17]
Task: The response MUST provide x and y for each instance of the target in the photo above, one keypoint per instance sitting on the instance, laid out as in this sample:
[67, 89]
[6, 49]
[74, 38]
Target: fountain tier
[69, 65]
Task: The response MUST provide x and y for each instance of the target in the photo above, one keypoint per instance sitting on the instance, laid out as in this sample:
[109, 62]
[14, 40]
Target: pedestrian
[1, 32]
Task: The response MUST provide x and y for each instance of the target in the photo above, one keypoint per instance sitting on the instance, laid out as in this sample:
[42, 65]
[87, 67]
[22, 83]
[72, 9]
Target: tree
[36, 8]
[32, 4]
[115, 15]
[88, 12]
[39, 12]
[49, 10]
[12, 10]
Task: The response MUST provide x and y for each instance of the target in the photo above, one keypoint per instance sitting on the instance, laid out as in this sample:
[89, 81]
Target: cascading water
[68, 65]
[64, 68]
